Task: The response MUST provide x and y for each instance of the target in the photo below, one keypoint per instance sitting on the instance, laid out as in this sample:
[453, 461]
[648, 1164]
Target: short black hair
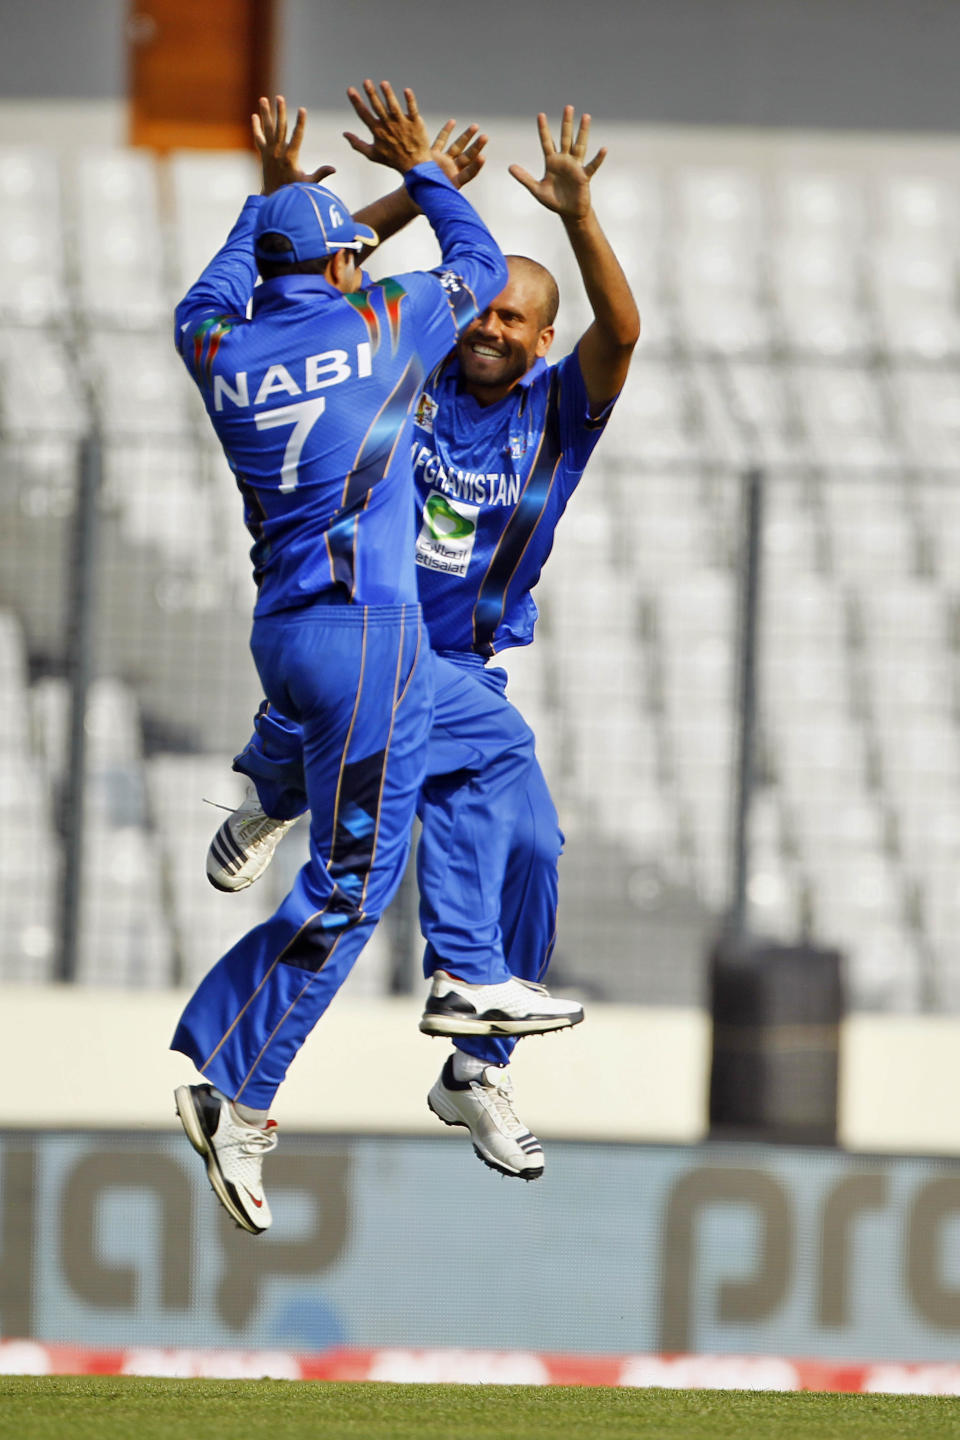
[276, 244]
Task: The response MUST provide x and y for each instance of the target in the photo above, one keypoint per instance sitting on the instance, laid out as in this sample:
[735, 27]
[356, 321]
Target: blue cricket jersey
[491, 484]
[310, 398]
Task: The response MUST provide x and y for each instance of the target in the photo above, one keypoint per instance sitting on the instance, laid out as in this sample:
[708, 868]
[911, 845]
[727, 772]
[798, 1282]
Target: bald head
[532, 273]
[516, 330]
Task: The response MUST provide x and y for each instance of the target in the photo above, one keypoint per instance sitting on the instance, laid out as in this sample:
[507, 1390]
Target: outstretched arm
[280, 156]
[475, 267]
[460, 160]
[607, 345]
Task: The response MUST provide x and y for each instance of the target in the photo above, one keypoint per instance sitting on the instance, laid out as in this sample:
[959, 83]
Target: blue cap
[313, 219]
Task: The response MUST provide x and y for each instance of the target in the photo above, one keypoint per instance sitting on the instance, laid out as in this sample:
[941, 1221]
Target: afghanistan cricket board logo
[425, 413]
[447, 534]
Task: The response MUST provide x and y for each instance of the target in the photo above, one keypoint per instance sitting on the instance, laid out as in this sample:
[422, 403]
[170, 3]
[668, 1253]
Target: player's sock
[251, 1116]
[467, 1067]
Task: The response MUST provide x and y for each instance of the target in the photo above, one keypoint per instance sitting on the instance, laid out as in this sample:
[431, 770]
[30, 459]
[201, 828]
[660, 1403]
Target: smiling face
[512, 333]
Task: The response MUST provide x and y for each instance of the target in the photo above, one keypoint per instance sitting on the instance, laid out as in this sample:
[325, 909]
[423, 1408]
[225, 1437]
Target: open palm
[565, 187]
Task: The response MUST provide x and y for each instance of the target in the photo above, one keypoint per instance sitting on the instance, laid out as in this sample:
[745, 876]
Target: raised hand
[460, 159]
[400, 138]
[565, 187]
[280, 157]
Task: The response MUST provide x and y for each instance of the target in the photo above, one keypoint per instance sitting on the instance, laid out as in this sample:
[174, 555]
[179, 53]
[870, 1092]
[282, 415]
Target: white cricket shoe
[244, 845]
[234, 1152]
[485, 1106]
[515, 1007]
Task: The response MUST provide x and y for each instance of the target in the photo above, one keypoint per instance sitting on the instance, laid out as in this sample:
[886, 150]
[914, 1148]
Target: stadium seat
[14, 683]
[748, 414]
[925, 821]
[820, 327]
[655, 422]
[928, 409]
[29, 850]
[869, 526]
[40, 394]
[802, 613]
[139, 389]
[125, 938]
[32, 238]
[844, 415]
[831, 204]
[922, 681]
[816, 260]
[205, 924]
[803, 679]
[207, 189]
[698, 604]
[30, 891]
[164, 501]
[919, 744]
[117, 240]
[915, 330]
[529, 671]
[917, 207]
[660, 533]
[902, 614]
[936, 502]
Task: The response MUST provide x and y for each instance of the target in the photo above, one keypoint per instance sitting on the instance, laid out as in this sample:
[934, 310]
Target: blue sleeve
[225, 286]
[471, 273]
[467, 248]
[579, 430]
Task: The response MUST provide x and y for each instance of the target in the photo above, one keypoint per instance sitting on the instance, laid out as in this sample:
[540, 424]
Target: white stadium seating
[798, 318]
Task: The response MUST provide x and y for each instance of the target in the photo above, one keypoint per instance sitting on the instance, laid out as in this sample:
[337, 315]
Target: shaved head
[515, 331]
[521, 267]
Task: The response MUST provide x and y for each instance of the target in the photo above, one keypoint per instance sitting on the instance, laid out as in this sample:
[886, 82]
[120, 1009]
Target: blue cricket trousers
[464, 888]
[359, 681]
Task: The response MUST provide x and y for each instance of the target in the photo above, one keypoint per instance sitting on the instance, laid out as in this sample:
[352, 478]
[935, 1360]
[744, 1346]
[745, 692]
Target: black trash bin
[776, 1034]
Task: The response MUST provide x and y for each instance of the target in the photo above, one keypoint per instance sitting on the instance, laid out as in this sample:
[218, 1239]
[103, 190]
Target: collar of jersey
[286, 290]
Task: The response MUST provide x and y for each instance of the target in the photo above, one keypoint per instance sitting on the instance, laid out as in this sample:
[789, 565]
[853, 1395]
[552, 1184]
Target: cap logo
[319, 228]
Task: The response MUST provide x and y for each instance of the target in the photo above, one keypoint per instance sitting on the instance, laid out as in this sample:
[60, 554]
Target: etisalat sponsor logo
[447, 535]
[444, 521]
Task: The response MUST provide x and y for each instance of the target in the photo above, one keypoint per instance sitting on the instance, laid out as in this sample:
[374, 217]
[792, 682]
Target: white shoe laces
[499, 1097]
[254, 831]
[257, 1140]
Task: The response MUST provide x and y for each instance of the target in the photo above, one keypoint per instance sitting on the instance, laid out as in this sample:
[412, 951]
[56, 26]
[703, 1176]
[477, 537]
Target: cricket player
[311, 399]
[500, 441]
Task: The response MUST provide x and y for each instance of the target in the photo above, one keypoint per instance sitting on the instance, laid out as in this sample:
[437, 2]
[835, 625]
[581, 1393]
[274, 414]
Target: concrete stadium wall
[87, 1058]
[849, 64]
[82, 1058]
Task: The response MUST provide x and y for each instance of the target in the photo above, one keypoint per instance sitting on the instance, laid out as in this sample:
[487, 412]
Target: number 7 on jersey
[302, 416]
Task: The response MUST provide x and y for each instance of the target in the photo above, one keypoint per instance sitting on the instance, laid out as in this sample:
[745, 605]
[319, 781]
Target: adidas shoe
[515, 1007]
[233, 1150]
[485, 1106]
[243, 846]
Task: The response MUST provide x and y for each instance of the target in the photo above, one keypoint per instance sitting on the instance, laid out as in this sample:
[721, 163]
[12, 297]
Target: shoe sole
[186, 1110]
[230, 889]
[488, 1160]
[477, 1025]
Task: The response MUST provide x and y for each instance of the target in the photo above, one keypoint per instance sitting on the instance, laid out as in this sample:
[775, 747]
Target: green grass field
[84, 1408]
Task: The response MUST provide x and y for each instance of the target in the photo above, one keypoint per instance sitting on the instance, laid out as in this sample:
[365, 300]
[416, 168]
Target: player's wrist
[410, 162]
[580, 220]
